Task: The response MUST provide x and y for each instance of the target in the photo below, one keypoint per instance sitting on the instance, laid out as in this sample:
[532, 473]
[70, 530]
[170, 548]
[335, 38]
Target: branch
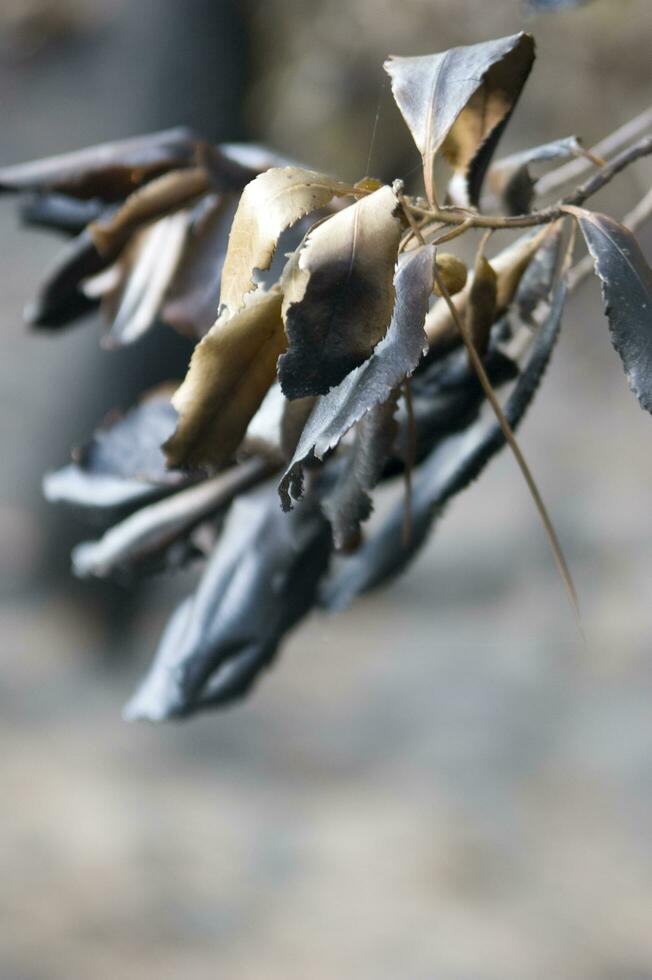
[590, 187]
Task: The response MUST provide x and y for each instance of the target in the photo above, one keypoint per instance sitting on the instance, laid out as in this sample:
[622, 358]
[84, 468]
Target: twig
[556, 179]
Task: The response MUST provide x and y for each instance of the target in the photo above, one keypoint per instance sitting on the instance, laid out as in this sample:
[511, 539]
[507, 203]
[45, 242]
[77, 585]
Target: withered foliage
[365, 354]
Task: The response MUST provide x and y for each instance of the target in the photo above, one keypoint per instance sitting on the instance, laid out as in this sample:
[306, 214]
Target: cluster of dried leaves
[363, 354]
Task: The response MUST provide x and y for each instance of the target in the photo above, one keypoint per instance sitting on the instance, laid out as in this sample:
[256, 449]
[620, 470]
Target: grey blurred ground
[440, 784]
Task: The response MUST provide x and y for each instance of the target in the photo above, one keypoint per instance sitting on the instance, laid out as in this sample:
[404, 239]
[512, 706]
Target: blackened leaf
[372, 383]
[338, 294]
[171, 192]
[59, 212]
[349, 503]
[261, 579]
[109, 171]
[151, 530]
[192, 300]
[231, 370]
[626, 280]
[450, 468]
[271, 203]
[134, 289]
[459, 102]
[60, 299]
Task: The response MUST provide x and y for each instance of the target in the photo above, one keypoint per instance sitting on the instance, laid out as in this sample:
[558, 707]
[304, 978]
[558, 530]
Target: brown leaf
[272, 202]
[459, 102]
[166, 194]
[339, 294]
[230, 372]
[482, 303]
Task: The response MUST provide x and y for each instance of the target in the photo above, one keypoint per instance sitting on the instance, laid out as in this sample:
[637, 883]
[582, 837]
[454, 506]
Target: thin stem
[513, 445]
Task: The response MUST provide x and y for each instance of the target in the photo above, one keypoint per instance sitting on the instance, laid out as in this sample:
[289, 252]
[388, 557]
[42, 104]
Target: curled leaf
[153, 529]
[109, 171]
[230, 372]
[61, 299]
[192, 299]
[452, 271]
[270, 204]
[174, 190]
[510, 177]
[458, 102]
[482, 303]
[338, 294]
[261, 579]
[626, 280]
[134, 288]
[348, 504]
[372, 383]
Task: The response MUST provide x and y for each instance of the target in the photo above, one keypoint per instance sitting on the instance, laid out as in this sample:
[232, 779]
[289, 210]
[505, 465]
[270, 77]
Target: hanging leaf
[109, 171]
[60, 299]
[261, 579]
[192, 299]
[626, 280]
[230, 372]
[269, 205]
[509, 265]
[372, 383]
[133, 290]
[511, 180]
[59, 212]
[152, 530]
[348, 504]
[482, 303]
[171, 192]
[338, 294]
[450, 468]
[458, 102]
[123, 463]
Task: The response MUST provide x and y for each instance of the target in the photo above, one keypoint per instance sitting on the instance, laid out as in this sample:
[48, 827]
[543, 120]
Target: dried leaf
[348, 504]
[133, 290]
[231, 370]
[459, 102]
[261, 579]
[511, 180]
[60, 299]
[59, 212]
[109, 171]
[456, 461]
[626, 280]
[122, 465]
[509, 265]
[338, 294]
[192, 300]
[482, 303]
[372, 383]
[171, 192]
[269, 205]
[152, 530]
[452, 271]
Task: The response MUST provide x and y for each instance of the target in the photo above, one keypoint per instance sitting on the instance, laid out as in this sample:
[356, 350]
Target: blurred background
[441, 783]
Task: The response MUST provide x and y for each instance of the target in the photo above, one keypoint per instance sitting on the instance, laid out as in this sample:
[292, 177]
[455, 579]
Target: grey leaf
[455, 462]
[261, 579]
[626, 280]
